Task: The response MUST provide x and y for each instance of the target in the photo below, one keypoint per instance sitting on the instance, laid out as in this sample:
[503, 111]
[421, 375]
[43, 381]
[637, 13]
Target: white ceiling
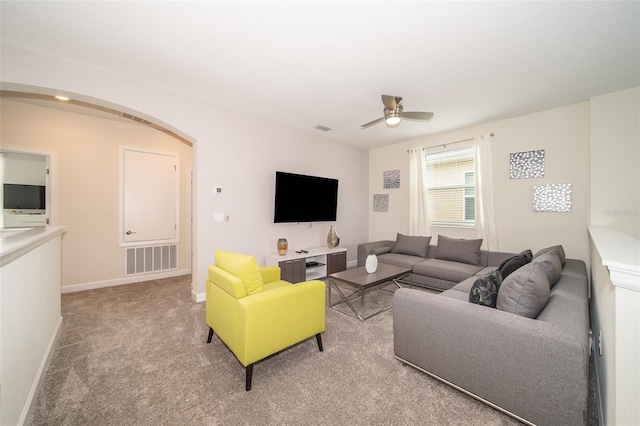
[308, 63]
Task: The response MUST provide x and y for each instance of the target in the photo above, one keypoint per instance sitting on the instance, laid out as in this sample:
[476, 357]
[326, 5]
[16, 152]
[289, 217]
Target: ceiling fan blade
[417, 115]
[371, 123]
[389, 101]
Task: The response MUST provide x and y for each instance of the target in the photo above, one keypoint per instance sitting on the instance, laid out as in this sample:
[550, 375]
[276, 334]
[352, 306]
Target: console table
[317, 263]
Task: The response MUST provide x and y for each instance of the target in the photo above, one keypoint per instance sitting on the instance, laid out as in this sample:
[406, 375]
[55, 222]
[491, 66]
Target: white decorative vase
[333, 239]
[371, 264]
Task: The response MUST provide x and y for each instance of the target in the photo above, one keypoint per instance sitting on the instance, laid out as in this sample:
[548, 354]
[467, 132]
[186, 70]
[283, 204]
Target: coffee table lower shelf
[363, 281]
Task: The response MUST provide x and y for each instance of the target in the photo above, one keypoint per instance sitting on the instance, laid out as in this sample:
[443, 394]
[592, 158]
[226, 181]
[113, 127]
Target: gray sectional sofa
[527, 354]
[431, 269]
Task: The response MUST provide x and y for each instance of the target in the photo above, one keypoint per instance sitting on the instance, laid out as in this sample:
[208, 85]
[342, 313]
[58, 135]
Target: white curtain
[484, 191]
[418, 216]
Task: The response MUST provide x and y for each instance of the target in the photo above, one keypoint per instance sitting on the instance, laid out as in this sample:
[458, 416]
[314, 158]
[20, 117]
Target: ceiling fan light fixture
[392, 117]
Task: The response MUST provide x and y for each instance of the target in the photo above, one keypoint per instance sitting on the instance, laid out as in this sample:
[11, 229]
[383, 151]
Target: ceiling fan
[393, 114]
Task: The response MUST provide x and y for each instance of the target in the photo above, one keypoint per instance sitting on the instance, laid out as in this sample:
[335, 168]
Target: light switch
[218, 217]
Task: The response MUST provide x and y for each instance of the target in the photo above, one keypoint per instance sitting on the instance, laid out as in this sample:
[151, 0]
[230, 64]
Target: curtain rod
[450, 143]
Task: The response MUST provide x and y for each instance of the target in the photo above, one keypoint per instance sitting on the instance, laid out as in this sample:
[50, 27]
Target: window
[469, 196]
[451, 188]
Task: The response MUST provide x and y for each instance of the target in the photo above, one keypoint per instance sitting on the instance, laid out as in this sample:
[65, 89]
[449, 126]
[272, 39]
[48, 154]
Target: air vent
[146, 259]
[136, 119]
[322, 128]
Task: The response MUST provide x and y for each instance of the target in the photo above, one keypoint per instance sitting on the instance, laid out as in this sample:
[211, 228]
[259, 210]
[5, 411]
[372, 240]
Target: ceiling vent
[136, 119]
[322, 128]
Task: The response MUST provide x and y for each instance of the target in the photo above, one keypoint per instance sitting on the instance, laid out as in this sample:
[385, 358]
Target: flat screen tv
[302, 198]
[24, 197]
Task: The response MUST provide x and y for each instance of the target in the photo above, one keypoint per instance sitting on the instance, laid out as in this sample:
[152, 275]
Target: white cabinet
[316, 263]
[17, 220]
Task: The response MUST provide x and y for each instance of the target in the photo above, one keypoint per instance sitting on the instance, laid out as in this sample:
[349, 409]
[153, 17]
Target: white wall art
[528, 164]
[380, 202]
[555, 197]
[391, 179]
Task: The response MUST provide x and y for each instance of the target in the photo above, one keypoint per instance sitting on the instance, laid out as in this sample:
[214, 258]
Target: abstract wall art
[391, 179]
[380, 202]
[528, 164]
[555, 197]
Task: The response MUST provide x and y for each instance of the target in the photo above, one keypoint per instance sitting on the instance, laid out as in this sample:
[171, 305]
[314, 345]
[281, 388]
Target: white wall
[564, 135]
[233, 150]
[86, 188]
[615, 160]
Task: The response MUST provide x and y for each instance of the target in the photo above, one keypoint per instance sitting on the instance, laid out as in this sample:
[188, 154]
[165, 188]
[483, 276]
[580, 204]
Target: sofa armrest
[364, 249]
[276, 319]
[503, 358]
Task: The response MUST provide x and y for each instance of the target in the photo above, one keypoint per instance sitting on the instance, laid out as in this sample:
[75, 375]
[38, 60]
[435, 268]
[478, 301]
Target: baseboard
[39, 379]
[598, 393]
[198, 297]
[121, 281]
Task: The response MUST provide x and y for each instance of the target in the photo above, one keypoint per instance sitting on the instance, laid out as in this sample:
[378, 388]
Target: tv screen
[302, 198]
[24, 196]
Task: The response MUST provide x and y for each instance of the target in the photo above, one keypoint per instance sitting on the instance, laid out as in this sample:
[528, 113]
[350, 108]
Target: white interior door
[150, 190]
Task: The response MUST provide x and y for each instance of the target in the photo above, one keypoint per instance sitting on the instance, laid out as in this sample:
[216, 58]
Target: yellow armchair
[255, 313]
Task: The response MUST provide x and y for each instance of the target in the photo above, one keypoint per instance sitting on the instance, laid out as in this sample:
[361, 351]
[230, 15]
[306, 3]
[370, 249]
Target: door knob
[129, 232]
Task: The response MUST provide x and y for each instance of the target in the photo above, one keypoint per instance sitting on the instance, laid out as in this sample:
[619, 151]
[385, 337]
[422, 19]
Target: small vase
[333, 239]
[283, 245]
[371, 264]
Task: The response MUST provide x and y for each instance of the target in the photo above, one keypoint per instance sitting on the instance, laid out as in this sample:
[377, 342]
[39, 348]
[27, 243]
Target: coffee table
[363, 281]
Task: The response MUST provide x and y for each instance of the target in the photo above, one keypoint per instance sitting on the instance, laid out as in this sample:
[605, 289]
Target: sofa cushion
[524, 292]
[515, 262]
[413, 245]
[551, 266]
[459, 250]
[242, 266]
[404, 260]
[484, 290]
[445, 269]
[559, 249]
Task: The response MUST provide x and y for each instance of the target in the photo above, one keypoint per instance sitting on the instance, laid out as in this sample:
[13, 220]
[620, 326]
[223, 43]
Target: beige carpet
[137, 355]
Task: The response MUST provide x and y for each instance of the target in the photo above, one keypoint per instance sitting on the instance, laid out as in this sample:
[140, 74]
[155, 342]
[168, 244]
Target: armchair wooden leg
[210, 335]
[249, 369]
[319, 339]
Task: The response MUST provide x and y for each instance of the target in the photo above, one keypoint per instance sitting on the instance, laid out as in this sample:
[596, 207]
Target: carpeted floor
[137, 355]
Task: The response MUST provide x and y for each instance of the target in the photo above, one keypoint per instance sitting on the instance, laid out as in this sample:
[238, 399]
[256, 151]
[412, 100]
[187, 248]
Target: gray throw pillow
[484, 290]
[413, 245]
[524, 292]
[557, 249]
[551, 266]
[459, 250]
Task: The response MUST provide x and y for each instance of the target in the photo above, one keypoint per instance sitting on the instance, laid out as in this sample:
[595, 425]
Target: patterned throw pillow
[485, 290]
